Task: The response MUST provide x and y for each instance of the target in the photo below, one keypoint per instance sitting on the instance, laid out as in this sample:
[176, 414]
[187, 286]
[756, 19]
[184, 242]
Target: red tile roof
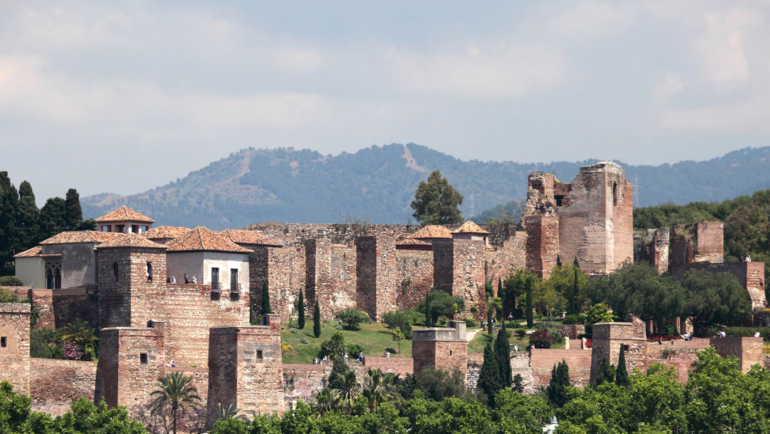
[165, 232]
[131, 240]
[249, 237]
[73, 237]
[124, 214]
[430, 232]
[412, 242]
[35, 251]
[203, 239]
[470, 228]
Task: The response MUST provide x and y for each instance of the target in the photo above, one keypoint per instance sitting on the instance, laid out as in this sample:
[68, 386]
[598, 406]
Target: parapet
[747, 350]
[604, 166]
[455, 332]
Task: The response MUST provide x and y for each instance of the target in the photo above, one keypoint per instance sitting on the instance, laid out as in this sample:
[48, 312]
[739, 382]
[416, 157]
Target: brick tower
[442, 348]
[375, 275]
[14, 345]
[609, 336]
[131, 276]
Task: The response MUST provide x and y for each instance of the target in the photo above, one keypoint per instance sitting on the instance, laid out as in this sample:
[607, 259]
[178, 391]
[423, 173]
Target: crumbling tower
[245, 367]
[440, 348]
[14, 345]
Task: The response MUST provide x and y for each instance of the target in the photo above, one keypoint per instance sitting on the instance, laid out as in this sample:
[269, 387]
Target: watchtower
[443, 348]
[14, 345]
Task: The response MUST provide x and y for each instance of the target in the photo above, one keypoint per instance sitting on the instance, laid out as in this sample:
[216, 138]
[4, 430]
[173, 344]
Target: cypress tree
[74, 213]
[557, 388]
[605, 373]
[28, 213]
[489, 319]
[502, 351]
[9, 202]
[518, 383]
[576, 263]
[489, 377]
[339, 371]
[53, 218]
[316, 321]
[301, 311]
[530, 315]
[428, 318]
[573, 308]
[621, 374]
[558, 261]
[265, 300]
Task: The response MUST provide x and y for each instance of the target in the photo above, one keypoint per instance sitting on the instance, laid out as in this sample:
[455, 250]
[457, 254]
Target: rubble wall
[14, 351]
[55, 384]
[415, 276]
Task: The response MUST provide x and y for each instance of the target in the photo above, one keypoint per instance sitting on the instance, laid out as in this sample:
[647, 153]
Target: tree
[714, 297]
[605, 373]
[9, 199]
[265, 300]
[558, 261]
[518, 383]
[441, 303]
[529, 313]
[74, 214]
[352, 318]
[436, 202]
[503, 354]
[598, 313]
[428, 316]
[398, 336]
[53, 218]
[27, 217]
[557, 387]
[175, 390]
[379, 388]
[301, 311]
[339, 370]
[621, 374]
[316, 321]
[334, 347]
[489, 377]
[82, 335]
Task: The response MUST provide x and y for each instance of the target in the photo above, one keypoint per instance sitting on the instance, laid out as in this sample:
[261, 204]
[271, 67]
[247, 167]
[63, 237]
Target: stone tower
[14, 345]
[440, 348]
[376, 275]
[246, 368]
[609, 336]
[458, 268]
[131, 274]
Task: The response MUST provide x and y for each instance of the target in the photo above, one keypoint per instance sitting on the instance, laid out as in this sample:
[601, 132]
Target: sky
[122, 97]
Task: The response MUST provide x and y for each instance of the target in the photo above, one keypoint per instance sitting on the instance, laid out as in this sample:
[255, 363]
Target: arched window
[114, 271]
[614, 193]
[149, 271]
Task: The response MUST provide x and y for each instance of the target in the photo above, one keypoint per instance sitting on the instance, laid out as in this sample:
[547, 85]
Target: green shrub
[442, 321]
[352, 318]
[540, 339]
[397, 319]
[521, 332]
[333, 347]
[7, 296]
[10, 281]
[553, 332]
[574, 319]
[747, 332]
[470, 323]
[354, 350]
[46, 344]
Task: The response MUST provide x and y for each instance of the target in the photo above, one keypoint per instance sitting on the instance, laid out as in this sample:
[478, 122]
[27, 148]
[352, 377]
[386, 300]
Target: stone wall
[376, 281]
[301, 382]
[681, 355]
[415, 276]
[440, 348]
[55, 384]
[511, 254]
[284, 271]
[458, 268]
[245, 368]
[747, 350]
[14, 345]
[542, 362]
[571, 331]
[608, 337]
[394, 365]
[652, 246]
[542, 244]
[699, 242]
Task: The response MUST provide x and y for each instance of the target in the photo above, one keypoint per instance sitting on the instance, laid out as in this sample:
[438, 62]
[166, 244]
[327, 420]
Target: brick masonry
[542, 244]
[607, 339]
[440, 348]
[747, 350]
[376, 282]
[459, 270]
[55, 384]
[542, 362]
[14, 345]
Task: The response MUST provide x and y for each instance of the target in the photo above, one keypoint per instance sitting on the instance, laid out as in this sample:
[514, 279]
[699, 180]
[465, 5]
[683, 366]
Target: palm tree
[379, 388]
[348, 392]
[177, 391]
[81, 333]
[231, 411]
[325, 400]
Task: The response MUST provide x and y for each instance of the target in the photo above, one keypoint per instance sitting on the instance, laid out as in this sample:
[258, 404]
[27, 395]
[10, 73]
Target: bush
[397, 320]
[46, 344]
[9, 297]
[574, 319]
[333, 347]
[438, 384]
[442, 321]
[540, 339]
[354, 350]
[352, 318]
[553, 332]
[747, 332]
[521, 332]
[406, 330]
[441, 303]
[470, 323]
[10, 281]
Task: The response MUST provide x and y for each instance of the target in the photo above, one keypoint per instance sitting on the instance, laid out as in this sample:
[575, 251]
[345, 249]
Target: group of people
[187, 280]
[360, 358]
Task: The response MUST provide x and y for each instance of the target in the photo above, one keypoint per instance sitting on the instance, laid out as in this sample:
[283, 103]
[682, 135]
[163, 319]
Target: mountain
[304, 186]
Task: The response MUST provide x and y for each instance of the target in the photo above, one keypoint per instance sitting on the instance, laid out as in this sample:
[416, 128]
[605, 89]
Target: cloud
[482, 71]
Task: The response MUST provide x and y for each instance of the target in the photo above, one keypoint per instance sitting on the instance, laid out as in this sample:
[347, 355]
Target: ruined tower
[14, 345]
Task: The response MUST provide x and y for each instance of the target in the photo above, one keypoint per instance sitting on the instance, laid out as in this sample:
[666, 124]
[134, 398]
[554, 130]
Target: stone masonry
[245, 367]
[14, 345]
[458, 268]
[376, 271]
[607, 339]
[440, 348]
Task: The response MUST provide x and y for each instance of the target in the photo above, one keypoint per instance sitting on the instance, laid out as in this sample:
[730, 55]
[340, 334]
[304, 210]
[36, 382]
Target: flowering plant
[72, 351]
[664, 337]
[589, 343]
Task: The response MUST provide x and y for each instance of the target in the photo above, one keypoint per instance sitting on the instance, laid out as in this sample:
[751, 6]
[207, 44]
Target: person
[168, 279]
[325, 358]
[173, 279]
[186, 279]
[315, 361]
[757, 334]
[346, 357]
[387, 354]
[361, 356]
[195, 280]
[173, 363]
[510, 316]
[516, 348]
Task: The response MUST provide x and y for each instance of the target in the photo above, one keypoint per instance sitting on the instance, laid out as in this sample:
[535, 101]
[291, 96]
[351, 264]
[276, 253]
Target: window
[53, 275]
[114, 271]
[559, 200]
[146, 228]
[450, 352]
[259, 355]
[120, 228]
[149, 271]
[105, 228]
[214, 278]
[614, 193]
[135, 229]
[3, 342]
[143, 358]
[234, 296]
[214, 295]
[625, 347]
[234, 280]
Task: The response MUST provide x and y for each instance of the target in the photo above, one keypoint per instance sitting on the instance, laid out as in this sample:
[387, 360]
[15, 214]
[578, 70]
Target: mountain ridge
[305, 186]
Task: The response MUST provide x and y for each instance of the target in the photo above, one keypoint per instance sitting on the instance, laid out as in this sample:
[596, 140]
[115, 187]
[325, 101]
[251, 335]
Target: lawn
[375, 338]
[480, 341]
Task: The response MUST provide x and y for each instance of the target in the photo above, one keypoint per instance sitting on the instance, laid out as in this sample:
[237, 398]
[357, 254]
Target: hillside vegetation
[378, 183]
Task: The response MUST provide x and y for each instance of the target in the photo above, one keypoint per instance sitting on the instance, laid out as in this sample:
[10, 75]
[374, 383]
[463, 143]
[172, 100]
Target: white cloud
[482, 71]
[592, 18]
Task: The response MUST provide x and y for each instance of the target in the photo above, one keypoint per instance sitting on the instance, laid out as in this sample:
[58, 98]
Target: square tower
[376, 275]
[440, 348]
[542, 243]
[609, 336]
[458, 268]
[14, 345]
[246, 368]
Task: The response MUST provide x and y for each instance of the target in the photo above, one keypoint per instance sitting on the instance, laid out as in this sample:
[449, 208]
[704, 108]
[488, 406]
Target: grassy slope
[480, 341]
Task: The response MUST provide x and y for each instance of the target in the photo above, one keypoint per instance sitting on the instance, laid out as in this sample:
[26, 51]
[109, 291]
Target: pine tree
[530, 314]
[316, 321]
[557, 388]
[74, 213]
[489, 377]
[301, 311]
[621, 374]
[26, 219]
[518, 383]
[428, 318]
[339, 371]
[265, 300]
[502, 352]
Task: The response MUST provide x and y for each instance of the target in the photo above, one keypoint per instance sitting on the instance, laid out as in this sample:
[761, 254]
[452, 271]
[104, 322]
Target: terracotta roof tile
[35, 251]
[131, 240]
[412, 242]
[124, 214]
[431, 231]
[165, 232]
[204, 239]
[73, 237]
[249, 237]
[470, 228]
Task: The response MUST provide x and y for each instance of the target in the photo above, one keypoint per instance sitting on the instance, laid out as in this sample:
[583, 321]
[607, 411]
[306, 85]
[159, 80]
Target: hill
[304, 186]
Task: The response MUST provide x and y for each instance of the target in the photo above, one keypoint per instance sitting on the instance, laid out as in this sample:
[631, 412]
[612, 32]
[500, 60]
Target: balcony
[216, 286]
[235, 287]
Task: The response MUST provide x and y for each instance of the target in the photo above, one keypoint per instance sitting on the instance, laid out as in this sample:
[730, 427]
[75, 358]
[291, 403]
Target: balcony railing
[216, 286]
[235, 287]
